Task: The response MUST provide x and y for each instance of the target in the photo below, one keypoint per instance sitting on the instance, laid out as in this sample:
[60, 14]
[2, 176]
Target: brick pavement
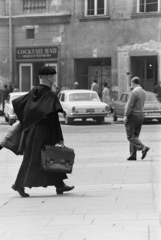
[113, 200]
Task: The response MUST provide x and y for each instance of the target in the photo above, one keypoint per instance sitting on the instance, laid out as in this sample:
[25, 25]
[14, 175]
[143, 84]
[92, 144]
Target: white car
[82, 104]
[9, 113]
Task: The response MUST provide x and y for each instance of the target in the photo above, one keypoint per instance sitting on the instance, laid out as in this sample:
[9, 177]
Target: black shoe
[65, 188]
[131, 158]
[144, 152]
[20, 190]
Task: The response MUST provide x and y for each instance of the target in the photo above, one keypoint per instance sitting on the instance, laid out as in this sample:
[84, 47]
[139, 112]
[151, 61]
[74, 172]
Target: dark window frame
[30, 33]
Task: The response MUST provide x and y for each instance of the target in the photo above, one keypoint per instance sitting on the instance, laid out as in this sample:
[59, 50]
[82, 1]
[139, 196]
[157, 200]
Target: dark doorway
[36, 67]
[86, 70]
[147, 69]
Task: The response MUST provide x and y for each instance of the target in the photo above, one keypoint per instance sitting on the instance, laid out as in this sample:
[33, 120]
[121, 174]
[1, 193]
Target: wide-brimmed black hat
[47, 70]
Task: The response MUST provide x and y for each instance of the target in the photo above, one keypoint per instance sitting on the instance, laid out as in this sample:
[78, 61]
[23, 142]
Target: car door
[123, 104]
[120, 106]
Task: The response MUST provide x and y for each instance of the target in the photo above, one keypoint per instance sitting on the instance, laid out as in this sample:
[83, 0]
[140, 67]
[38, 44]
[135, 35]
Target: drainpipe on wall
[10, 42]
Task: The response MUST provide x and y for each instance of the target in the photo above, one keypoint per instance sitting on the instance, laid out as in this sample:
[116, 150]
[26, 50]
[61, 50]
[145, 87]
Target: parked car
[152, 107]
[82, 104]
[9, 113]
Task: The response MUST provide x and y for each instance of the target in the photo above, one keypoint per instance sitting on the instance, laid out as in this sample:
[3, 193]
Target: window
[34, 5]
[83, 97]
[95, 7]
[144, 6]
[30, 33]
[123, 98]
[62, 97]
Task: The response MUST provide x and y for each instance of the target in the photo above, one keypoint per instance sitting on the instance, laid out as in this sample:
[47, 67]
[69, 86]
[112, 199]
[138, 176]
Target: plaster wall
[124, 52]
[4, 53]
[52, 6]
[107, 35]
[81, 35]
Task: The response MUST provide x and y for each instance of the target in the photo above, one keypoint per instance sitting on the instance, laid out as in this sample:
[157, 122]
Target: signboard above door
[26, 53]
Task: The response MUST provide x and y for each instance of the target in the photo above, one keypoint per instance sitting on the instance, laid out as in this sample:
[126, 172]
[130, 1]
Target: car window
[124, 98]
[83, 97]
[59, 96]
[8, 99]
[151, 98]
[62, 97]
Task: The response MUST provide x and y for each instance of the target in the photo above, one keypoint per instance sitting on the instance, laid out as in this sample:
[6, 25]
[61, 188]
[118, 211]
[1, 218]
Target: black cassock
[37, 112]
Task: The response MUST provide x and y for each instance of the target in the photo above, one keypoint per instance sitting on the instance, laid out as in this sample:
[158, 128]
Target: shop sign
[37, 53]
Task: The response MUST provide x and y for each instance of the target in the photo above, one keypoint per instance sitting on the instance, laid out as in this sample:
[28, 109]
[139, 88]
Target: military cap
[47, 70]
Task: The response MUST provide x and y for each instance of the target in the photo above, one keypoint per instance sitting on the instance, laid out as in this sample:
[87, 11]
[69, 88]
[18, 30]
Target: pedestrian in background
[15, 88]
[57, 90]
[95, 87]
[5, 96]
[76, 85]
[106, 94]
[37, 112]
[133, 119]
[1, 102]
[157, 90]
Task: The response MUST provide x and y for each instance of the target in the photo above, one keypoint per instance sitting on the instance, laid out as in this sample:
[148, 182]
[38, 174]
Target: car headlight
[73, 110]
[107, 108]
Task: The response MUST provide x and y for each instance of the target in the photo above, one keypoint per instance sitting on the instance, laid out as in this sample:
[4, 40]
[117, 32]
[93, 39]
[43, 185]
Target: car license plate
[91, 110]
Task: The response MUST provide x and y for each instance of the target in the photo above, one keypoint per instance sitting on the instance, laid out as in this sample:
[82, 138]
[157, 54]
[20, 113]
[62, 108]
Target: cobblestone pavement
[113, 199]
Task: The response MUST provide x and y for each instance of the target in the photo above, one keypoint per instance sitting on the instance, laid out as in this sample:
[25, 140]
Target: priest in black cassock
[37, 112]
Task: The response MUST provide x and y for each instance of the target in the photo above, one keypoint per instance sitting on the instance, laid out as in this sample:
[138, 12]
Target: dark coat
[37, 132]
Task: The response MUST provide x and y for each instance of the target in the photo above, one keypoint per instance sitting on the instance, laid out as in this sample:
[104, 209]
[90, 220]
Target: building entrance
[146, 69]
[86, 70]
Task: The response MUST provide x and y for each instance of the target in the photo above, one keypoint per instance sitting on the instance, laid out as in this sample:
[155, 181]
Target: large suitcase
[57, 159]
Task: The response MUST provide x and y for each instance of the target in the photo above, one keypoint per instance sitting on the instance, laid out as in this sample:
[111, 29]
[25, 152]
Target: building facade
[107, 40]
[32, 34]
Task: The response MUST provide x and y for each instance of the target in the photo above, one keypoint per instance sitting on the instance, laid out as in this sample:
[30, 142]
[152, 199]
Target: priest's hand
[125, 120]
[61, 144]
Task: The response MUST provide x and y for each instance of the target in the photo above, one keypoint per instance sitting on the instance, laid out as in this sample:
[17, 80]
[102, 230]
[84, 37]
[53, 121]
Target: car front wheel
[114, 116]
[67, 119]
[99, 120]
[159, 120]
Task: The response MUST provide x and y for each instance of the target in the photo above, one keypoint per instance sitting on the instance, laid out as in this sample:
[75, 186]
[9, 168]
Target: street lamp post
[10, 42]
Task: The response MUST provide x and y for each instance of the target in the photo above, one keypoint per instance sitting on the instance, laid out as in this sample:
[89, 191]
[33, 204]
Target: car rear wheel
[159, 120]
[67, 119]
[114, 116]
